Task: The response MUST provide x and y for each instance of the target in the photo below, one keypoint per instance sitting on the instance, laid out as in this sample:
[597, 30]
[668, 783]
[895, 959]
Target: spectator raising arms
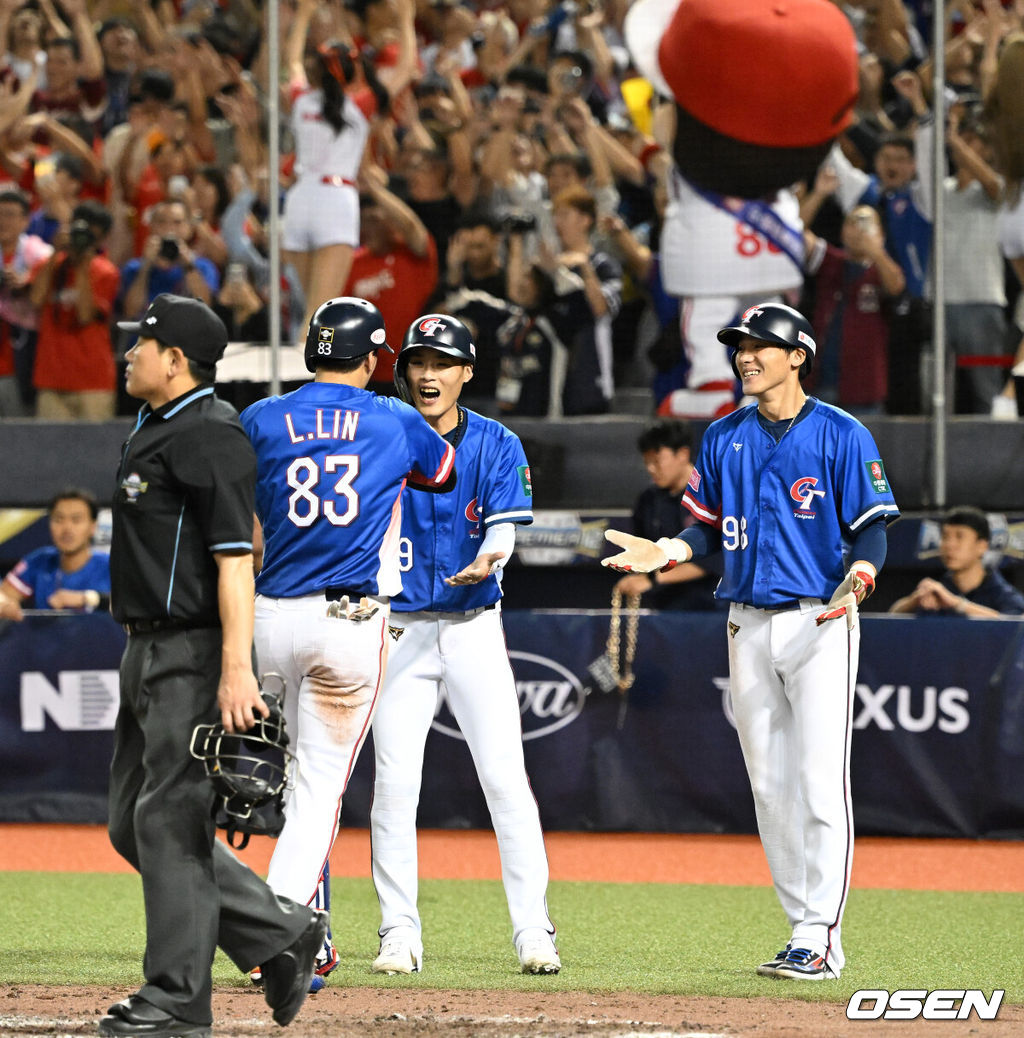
[333, 95]
[395, 267]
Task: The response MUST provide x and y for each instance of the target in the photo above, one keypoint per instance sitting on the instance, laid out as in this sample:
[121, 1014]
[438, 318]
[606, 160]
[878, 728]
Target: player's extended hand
[858, 583]
[479, 569]
[644, 556]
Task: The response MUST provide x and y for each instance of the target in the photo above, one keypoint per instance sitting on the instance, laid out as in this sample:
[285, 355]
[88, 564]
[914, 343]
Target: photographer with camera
[75, 289]
[167, 263]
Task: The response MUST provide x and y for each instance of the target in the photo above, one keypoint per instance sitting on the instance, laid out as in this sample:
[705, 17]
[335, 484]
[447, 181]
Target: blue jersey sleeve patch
[876, 474]
[524, 479]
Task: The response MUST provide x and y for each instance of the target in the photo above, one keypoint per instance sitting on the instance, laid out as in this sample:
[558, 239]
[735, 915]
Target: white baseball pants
[463, 656]
[333, 669]
[792, 685]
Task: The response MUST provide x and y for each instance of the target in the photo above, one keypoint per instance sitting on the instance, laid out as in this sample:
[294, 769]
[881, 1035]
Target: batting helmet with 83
[773, 323]
[344, 329]
[439, 332]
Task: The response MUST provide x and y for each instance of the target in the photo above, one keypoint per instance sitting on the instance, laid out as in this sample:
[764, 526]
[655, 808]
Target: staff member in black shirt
[968, 587]
[182, 586]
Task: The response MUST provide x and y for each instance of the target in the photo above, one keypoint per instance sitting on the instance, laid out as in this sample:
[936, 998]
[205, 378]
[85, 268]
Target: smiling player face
[764, 366]
[435, 381]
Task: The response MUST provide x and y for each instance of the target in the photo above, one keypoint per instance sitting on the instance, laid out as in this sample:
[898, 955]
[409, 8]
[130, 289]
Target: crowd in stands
[500, 160]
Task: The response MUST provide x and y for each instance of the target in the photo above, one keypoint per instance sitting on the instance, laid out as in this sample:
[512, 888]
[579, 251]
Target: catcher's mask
[249, 770]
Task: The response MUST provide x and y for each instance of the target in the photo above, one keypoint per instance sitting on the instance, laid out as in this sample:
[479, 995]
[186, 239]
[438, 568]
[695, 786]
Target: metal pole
[939, 401]
[273, 191]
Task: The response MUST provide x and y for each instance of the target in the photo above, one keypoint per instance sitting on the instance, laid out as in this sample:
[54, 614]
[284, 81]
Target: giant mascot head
[762, 87]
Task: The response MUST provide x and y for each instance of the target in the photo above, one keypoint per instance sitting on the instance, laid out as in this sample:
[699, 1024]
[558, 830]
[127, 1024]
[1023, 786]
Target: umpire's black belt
[165, 624]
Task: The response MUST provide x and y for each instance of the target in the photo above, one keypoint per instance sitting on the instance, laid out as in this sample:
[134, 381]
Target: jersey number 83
[307, 502]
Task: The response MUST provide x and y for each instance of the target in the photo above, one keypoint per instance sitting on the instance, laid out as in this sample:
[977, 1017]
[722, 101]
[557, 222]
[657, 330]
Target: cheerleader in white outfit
[334, 94]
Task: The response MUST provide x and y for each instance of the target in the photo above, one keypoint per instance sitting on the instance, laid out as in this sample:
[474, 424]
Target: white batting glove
[345, 610]
[644, 556]
[858, 583]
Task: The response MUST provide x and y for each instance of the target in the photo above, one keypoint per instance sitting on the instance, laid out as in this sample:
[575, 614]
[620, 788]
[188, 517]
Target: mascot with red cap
[761, 89]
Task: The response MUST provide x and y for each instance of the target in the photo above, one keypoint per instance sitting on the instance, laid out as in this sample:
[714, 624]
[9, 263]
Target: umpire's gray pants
[197, 893]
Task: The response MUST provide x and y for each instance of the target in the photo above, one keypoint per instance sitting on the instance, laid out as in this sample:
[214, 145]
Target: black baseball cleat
[767, 969]
[136, 1016]
[287, 975]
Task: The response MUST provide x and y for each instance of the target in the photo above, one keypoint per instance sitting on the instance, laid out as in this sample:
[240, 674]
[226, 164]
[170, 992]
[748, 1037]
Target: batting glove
[644, 556]
[858, 583]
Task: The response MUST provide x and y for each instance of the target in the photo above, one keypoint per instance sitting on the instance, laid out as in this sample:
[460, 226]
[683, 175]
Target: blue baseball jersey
[39, 574]
[442, 533]
[332, 463]
[787, 511]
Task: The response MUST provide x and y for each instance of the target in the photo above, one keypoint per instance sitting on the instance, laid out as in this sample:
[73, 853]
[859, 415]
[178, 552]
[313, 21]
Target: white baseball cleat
[398, 954]
[537, 953]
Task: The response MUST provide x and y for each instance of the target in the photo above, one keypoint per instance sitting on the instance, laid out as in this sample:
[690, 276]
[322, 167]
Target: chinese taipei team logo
[803, 492]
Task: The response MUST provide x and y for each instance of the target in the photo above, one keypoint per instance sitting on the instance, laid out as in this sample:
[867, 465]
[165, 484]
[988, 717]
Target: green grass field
[65, 928]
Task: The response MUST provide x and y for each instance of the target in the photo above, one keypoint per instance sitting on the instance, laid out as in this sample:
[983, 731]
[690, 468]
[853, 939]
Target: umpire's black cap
[186, 323]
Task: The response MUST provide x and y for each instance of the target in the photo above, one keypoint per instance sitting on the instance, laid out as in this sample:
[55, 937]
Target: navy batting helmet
[774, 323]
[439, 332]
[344, 329]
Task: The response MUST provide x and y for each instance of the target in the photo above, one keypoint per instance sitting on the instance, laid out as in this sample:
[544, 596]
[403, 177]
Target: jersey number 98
[734, 533]
[306, 503]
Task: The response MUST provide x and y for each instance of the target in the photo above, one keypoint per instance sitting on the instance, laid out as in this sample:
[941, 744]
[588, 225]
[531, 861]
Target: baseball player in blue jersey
[68, 574]
[794, 494]
[447, 640]
[333, 460]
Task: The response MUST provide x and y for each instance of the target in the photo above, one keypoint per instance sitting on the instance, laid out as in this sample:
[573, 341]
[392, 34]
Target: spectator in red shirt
[20, 254]
[395, 266]
[75, 290]
[74, 69]
[854, 287]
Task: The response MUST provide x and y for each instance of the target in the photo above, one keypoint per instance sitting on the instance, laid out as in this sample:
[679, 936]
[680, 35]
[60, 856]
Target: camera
[169, 249]
[81, 237]
[518, 222]
[572, 79]
[236, 274]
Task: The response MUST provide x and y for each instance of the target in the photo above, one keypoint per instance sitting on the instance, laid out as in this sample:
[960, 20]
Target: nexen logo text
[86, 700]
[929, 1005]
[550, 697]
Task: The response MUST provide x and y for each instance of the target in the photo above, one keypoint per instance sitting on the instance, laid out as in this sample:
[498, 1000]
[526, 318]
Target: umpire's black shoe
[287, 975]
[136, 1016]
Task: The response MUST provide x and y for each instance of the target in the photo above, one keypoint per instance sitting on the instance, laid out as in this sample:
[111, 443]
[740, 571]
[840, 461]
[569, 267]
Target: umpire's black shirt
[185, 489]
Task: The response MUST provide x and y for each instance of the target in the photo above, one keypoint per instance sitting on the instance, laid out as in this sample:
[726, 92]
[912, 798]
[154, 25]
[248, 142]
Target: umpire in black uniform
[182, 586]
